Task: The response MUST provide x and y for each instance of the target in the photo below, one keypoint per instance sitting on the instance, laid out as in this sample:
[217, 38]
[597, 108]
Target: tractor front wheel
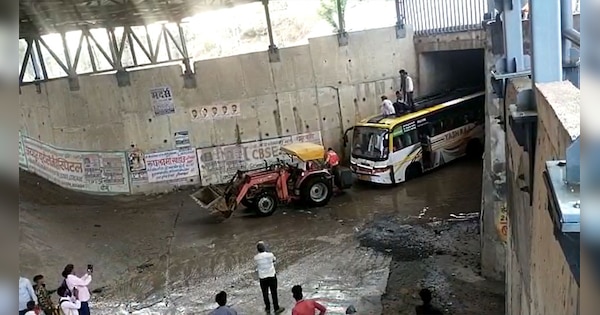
[265, 204]
[248, 203]
[316, 191]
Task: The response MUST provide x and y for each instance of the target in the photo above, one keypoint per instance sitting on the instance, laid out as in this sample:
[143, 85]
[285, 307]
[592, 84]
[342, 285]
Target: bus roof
[428, 104]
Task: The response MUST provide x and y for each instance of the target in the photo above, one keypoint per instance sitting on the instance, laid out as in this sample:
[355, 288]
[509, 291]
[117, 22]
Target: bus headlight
[378, 170]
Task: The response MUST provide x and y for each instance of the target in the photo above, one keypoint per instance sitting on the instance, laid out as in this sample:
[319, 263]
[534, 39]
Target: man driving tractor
[305, 180]
[332, 159]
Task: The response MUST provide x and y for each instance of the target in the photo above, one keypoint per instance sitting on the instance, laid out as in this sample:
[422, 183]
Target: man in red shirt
[305, 307]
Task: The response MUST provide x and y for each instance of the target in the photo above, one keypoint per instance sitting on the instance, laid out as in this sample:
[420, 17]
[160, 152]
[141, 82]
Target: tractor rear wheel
[265, 204]
[316, 191]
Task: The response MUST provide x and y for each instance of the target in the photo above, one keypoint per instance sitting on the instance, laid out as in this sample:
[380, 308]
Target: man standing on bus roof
[387, 108]
[407, 87]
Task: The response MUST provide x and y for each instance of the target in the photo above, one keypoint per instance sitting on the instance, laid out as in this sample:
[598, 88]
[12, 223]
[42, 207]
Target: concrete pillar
[493, 252]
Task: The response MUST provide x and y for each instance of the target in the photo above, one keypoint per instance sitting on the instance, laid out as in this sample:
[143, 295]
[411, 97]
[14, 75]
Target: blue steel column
[546, 40]
[566, 23]
[513, 35]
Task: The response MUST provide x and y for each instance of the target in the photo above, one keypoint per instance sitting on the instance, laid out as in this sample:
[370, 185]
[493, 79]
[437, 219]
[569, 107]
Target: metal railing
[429, 17]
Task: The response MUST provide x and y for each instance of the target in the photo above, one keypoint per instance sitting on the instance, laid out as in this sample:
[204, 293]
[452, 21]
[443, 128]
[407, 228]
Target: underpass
[109, 131]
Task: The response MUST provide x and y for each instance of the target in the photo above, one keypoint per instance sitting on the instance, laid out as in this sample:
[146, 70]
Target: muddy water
[163, 255]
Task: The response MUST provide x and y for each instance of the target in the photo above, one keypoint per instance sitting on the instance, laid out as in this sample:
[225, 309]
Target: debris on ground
[442, 255]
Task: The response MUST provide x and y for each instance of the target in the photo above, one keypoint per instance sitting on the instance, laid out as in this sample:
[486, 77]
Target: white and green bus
[444, 127]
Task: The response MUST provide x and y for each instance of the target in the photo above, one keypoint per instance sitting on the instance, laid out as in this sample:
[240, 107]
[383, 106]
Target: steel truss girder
[114, 52]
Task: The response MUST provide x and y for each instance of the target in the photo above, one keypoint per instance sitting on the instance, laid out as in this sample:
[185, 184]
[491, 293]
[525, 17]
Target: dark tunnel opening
[442, 70]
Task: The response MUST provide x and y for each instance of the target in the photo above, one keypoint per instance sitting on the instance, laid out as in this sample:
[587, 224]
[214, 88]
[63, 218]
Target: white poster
[219, 164]
[171, 165]
[86, 171]
[217, 111]
[162, 100]
[182, 140]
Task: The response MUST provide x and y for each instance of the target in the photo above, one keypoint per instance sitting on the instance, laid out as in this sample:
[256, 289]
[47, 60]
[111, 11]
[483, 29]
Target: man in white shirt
[265, 265]
[26, 294]
[407, 87]
[387, 107]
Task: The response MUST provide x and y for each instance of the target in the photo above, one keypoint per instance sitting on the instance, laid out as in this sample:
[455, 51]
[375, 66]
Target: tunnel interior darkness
[442, 70]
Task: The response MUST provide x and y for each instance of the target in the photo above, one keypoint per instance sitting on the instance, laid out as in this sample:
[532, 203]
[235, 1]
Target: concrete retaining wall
[538, 277]
[316, 87]
[493, 190]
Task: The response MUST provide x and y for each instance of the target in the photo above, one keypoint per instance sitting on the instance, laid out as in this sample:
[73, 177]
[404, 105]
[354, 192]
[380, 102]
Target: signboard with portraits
[216, 111]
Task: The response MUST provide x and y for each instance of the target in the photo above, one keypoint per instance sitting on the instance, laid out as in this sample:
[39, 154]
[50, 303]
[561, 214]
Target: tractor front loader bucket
[214, 200]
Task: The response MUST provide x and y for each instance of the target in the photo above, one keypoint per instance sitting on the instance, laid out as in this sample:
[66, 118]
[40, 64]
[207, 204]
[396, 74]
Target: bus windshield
[370, 143]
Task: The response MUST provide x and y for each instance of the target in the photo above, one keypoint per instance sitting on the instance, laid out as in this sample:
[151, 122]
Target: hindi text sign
[85, 171]
[219, 164]
[171, 165]
[162, 100]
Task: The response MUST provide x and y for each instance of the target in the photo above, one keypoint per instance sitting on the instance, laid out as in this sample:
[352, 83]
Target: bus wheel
[474, 149]
[413, 171]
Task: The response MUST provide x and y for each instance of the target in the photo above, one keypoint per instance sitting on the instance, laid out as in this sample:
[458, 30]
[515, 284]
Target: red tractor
[306, 179]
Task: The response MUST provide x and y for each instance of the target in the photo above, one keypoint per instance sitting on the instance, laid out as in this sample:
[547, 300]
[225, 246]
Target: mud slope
[116, 234]
[440, 255]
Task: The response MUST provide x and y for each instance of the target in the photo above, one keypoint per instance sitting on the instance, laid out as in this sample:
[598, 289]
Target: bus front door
[427, 156]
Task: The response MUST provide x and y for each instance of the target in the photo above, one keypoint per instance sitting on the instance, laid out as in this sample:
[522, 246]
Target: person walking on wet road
[223, 309]
[427, 308]
[265, 264]
[305, 307]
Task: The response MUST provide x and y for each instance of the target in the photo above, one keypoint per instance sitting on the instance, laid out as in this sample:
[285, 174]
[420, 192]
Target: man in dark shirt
[399, 105]
[427, 308]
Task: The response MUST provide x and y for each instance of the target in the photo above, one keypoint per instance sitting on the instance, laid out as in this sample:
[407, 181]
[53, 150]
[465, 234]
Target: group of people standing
[404, 98]
[265, 265]
[73, 294]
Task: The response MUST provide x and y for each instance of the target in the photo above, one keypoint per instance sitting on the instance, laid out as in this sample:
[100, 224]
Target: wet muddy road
[170, 257]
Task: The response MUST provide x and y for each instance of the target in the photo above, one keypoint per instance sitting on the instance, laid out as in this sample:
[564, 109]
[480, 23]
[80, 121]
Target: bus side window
[397, 143]
[411, 138]
[396, 138]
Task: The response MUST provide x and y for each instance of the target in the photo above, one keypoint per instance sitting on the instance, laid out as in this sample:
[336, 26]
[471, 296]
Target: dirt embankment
[442, 256]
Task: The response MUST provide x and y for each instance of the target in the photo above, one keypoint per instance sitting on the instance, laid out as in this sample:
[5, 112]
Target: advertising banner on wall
[85, 171]
[22, 157]
[171, 165]
[219, 164]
